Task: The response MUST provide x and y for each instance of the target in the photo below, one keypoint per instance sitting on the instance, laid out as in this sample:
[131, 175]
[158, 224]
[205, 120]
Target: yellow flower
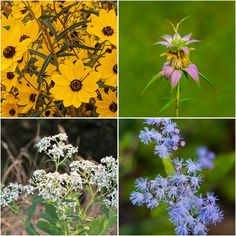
[107, 107]
[28, 93]
[75, 84]
[11, 49]
[9, 109]
[28, 31]
[104, 26]
[109, 68]
[9, 79]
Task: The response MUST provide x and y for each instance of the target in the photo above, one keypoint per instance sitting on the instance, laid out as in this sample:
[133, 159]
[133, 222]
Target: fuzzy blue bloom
[164, 134]
[205, 157]
[189, 211]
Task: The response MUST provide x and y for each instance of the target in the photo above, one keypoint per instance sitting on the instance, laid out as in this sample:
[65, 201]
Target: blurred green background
[143, 23]
[138, 160]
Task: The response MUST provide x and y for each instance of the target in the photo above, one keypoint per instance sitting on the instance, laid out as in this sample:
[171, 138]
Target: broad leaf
[30, 228]
[49, 228]
[31, 209]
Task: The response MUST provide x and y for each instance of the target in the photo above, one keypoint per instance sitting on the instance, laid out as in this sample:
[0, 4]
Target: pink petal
[185, 49]
[186, 37]
[192, 71]
[168, 38]
[192, 41]
[175, 77]
[164, 43]
[167, 71]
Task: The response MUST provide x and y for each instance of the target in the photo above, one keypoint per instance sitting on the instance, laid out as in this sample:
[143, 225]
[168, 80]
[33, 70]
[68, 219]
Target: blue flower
[141, 184]
[137, 198]
[192, 166]
[205, 157]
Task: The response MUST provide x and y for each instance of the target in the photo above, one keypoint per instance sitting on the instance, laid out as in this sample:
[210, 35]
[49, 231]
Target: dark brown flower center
[32, 97]
[47, 113]
[9, 52]
[76, 85]
[19, 61]
[23, 37]
[10, 75]
[12, 112]
[108, 31]
[109, 50]
[23, 11]
[115, 68]
[113, 107]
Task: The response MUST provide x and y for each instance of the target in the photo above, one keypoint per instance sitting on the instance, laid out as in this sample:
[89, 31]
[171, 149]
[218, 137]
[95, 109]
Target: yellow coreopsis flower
[75, 84]
[109, 68]
[11, 49]
[107, 107]
[9, 109]
[9, 79]
[28, 93]
[104, 26]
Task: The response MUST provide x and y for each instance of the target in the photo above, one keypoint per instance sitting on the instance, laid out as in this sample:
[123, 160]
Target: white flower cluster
[56, 147]
[55, 186]
[103, 175]
[13, 191]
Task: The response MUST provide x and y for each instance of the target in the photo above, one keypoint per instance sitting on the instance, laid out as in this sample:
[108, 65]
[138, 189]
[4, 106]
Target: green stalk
[177, 100]
[168, 166]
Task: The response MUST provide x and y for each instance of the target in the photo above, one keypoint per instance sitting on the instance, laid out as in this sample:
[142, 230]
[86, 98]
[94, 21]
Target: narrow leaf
[72, 27]
[64, 10]
[44, 66]
[207, 81]
[169, 103]
[153, 79]
[187, 100]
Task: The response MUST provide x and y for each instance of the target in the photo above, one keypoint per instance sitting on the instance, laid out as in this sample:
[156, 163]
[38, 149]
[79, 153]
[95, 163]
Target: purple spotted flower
[177, 56]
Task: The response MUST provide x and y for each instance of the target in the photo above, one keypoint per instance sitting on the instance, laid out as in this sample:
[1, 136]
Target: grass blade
[207, 81]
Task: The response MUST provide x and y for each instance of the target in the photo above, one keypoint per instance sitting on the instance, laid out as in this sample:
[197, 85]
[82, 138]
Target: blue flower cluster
[164, 134]
[189, 211]
[205, 157]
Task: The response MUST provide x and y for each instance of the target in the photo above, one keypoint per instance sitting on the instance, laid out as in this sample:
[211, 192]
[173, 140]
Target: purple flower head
[192, 166]
[205, 157]
[178, 57]
[141, 184]
[137, 198]
[164, 134]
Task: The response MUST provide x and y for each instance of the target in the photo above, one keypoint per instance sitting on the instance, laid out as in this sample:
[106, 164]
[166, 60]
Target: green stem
[177, 100]
[168, 166]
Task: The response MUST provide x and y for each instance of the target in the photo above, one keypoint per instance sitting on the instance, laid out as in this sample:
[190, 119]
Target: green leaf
[64, 10]
[49, 228]
[187, 100]
[168, 104]
[51, 210]
[40, 55]
[207, 81]
[31, 209]
[48, 218]
[86, 47]
[44, 66]
[153, 79]
[72, 27]
[30, 228]
[101, 225]
[90, 12]
[169, 168]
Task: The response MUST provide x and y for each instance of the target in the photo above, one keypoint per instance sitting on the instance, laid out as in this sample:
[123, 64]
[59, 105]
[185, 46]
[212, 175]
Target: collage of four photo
[117, 117]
